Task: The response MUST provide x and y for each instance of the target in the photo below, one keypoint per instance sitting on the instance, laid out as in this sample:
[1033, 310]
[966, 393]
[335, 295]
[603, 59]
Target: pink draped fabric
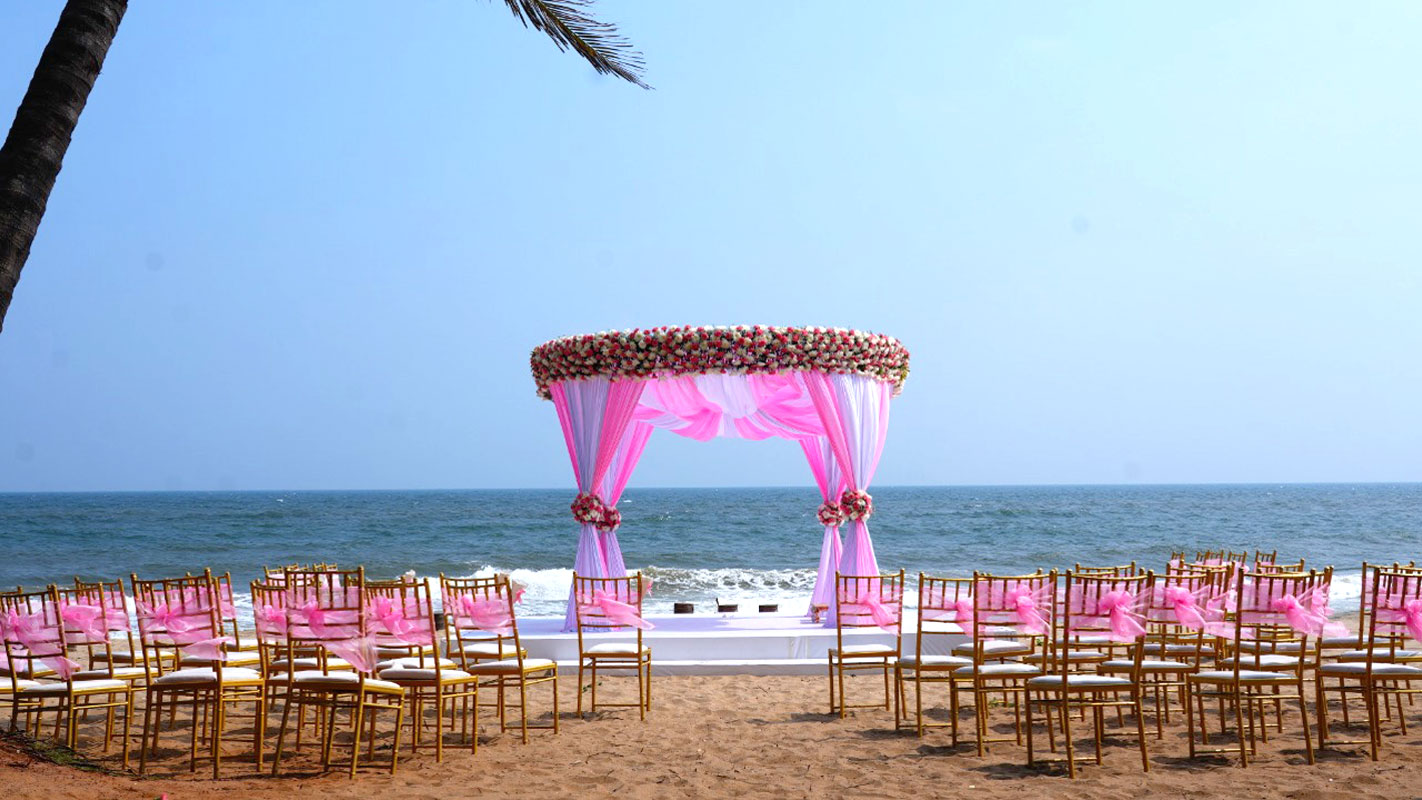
[624, 460]
[855, 413]
[831, 482]
[595, 415]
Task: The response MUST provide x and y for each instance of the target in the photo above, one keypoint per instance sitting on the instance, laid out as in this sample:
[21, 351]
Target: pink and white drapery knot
[1119, 611]
[1308, 615]
[616, 611]
[856, 505]
[831, 515]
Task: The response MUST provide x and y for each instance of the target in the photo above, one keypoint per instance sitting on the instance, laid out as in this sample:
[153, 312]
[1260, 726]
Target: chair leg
[281, 734]
[358, 717]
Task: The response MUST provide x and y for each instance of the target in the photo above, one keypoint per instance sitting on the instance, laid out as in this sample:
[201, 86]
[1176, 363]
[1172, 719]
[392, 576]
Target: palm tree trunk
[34, 151]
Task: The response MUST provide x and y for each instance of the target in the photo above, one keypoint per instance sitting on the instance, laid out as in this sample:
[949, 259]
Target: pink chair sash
[1117, 610]
[616, 611]
[1407, 612]
[40, 637]
[404, 624]
[174, 621]
[886, 617]
[1025, 603]
[85, 620]
[945, 610]
[1309, 615]
[489, 614]
[339, 630]
[271, 621]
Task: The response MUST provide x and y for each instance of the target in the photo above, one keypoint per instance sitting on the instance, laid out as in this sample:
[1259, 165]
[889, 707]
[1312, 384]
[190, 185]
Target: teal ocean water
[697, 543]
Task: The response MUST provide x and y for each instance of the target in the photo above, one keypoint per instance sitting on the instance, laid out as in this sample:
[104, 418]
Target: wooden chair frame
[609, 656]
[845, 659]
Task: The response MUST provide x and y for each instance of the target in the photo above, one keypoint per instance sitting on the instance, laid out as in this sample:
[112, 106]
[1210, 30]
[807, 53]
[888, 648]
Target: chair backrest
[270, 623]
[1273, 608]
[227, 608]
[1269, 557]
[32, 636]
[1012, 606]
[1394, 598]
[1183, 602]
[325, 614]
[1119, 569]
[176, 617]
[602, 604]
[945, 607]
[1096, 605]
[870, 601]
[480, 610]
[1270, 566]
[401, 620]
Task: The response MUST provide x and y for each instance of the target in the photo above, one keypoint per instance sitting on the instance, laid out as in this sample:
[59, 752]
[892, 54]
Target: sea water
[743, 545]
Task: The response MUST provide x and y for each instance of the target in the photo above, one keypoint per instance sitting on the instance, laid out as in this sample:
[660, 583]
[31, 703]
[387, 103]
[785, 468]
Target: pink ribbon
[1119, 608]
[490, 614]
[1409, 613]
[870, 603]
[341, 637]
[1304, 618]
[116, 612]
[163, 618]
[1022, 601]
[1188, 611]
[86, 620]
[270, 620]
[616, 611]
[393, 621]
[959, 611]
[39, 638]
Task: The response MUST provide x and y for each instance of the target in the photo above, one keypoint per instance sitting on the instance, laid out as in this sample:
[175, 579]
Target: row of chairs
[329, 644]
[1219, 631]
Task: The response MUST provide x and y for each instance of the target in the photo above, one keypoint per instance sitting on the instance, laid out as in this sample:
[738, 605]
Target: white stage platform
[722, 644]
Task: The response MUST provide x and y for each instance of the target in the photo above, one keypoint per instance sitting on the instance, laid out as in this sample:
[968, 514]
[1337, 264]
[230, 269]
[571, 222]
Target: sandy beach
[749, 737]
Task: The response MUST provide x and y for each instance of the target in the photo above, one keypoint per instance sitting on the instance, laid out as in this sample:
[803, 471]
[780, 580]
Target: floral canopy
[828, 389]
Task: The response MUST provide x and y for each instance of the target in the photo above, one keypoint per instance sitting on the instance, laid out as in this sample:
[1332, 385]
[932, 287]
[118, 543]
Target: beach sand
[748, 737]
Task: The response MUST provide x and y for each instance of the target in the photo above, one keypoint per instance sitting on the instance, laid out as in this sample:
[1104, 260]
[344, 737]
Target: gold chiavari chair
[326, 614]
[463, 638]
[402, 614]
[1263, 557]
[1092, 604]
[1394, 598]
[518, 672]
[861, 602]
[1176, 610]
[1249, 681]
[33, 637]
[88, 620]
[1392, 646]
[1117, 569]
[945, 607]
[179, 617]
[1011, 615]
[612, 604]
[237, 655]
[1270, 566]
[119, 607]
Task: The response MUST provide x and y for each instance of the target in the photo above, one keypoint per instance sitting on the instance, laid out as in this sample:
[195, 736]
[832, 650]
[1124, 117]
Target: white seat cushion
[1072, 655]
[32, 671]
[315, 679]
[1253, 646]
[1379, 668]
[1264, 661]
[390, 651]
[120, 673]
[1147, 665]
[993, 648]
[509, 666]
[417, 675]
[1177, 649]
[615, 649]
[80, 687]
[205, 676]
[934, 662]
[489, 650]
[238, 658]
[121, 657]
[1086, 638]
[414, 663]
[1381, 654]
[309, 663]
[998, 670]
[1080, 679]
[1245, 676]
[1349, 642]
[23, 685]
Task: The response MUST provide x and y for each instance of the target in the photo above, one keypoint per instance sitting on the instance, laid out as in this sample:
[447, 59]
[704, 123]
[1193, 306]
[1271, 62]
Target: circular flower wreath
[588, 509]
[857, 504]
[739, 349]
[831, 515]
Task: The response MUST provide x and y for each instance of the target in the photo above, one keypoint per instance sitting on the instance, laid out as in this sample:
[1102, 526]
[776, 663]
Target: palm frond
[569, 25]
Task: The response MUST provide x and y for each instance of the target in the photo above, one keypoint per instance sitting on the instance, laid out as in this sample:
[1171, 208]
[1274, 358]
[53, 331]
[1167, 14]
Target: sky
[310, 245]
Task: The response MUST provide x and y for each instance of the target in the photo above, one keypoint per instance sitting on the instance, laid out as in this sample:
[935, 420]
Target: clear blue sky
[309, 245]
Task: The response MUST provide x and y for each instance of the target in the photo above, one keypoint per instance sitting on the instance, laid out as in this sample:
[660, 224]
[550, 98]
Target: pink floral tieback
[856, 504]
[588, 509]
[830, 514]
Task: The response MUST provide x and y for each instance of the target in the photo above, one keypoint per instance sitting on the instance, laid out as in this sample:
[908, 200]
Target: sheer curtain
[855, 412]
[595, 415]
[831, 482]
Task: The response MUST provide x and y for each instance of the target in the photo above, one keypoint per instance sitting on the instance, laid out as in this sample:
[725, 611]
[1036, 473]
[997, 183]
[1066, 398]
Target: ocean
[698, 544]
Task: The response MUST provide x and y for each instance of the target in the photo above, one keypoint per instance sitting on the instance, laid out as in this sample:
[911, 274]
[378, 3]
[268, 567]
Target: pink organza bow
[39, 639]
[1303, 617]
[1119, 608]
[616, 611]
[341, 637]
[163, 618]
[271, 620]
[1024, 603]
[870, 603]
[490, 614]
[393, 621]
[1409, 613]
[1188, 611]
[959, 611]
[86, 620]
